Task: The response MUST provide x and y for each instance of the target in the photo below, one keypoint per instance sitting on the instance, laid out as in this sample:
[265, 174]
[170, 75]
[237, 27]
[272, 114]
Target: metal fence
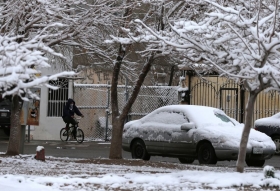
[231, 97]
[93, 100]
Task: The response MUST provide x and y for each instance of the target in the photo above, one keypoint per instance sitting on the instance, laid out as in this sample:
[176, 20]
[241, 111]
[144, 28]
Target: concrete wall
[49, 127]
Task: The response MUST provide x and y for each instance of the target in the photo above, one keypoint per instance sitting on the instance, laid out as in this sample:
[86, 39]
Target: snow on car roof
[273, 120]
[201, 115]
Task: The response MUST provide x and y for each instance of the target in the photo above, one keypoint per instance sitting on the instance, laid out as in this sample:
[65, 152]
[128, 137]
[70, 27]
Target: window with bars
[57, 98]
[106, 76]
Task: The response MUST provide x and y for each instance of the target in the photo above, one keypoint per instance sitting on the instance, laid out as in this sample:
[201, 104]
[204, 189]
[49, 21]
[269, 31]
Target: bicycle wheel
[64, 134]
[80, 136]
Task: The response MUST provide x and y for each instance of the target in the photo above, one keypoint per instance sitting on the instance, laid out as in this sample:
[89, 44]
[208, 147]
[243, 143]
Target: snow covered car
[190, 132]
[271, 127]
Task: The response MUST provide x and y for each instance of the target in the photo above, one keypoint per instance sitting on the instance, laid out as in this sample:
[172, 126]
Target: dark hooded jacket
[68, 112]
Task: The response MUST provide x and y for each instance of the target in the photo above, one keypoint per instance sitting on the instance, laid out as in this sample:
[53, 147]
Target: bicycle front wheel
[80, 136]
[64, 134]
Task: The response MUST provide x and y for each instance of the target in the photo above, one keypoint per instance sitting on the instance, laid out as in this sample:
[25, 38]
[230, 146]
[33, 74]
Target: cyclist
[68, 115]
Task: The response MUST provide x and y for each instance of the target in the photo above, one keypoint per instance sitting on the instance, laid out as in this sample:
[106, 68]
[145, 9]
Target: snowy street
[95, 149]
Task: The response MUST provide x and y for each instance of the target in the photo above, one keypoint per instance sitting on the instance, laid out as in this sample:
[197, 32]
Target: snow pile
[25, 173]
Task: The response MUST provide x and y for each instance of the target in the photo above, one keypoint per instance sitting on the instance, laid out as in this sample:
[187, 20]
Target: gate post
[127, 119]
[107, 112]
[70, 89]
[183, 91]
[242, 104]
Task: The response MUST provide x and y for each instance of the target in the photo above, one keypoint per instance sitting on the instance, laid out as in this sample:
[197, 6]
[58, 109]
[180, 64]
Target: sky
[24, 173]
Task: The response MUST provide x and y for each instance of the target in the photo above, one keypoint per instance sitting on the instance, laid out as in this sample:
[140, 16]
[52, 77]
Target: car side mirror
[187, 126]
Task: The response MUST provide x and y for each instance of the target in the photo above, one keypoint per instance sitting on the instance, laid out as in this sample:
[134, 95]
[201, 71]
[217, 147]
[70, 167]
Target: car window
[167, 117]
[223, 118]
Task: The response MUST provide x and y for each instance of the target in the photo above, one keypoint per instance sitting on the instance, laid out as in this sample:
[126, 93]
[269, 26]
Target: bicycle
[66, 133]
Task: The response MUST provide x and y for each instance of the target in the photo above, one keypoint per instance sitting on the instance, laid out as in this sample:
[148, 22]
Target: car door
[153, 134]
[179, 142]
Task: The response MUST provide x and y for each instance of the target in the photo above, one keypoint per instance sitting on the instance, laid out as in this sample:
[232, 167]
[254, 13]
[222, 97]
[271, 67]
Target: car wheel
[139, 150]
[255, 163]
[276, 140]
[186, 160]
[206, 154]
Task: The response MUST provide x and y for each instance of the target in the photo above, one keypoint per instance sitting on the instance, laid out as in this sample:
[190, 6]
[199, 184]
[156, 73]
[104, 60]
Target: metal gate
[229, 101]
[93, 100]
[231, 97]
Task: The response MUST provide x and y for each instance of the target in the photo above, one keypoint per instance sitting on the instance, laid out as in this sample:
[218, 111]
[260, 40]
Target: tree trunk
[115, 151]
[171, 75]
[15, 131]
[119, 119]
[246, 131]
[116, 141]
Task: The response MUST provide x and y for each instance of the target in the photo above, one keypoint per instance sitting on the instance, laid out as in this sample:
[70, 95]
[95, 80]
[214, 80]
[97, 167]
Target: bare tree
[238, 39]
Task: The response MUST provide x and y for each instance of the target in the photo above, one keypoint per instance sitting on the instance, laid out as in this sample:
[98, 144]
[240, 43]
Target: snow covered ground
[24, 173]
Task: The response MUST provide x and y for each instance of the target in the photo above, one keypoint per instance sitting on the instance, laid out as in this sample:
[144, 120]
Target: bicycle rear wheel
[64, 134]
[80, 136]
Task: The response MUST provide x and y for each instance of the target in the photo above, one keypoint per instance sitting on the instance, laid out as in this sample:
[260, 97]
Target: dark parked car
[5, 114]
[271, 127]
[190, 132]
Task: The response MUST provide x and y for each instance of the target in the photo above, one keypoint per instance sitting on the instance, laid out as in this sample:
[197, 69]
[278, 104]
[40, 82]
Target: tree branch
[146, 68]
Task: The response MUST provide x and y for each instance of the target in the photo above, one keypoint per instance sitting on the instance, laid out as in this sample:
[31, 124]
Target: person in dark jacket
[68, 114]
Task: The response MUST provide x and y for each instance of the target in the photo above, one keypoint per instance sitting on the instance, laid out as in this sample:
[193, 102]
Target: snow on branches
[29, 28]
[18, 63]
[238, 39]
[79, 19]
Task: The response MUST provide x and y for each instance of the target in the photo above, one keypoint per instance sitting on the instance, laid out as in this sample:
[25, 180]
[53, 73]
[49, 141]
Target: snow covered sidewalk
[23, 172]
